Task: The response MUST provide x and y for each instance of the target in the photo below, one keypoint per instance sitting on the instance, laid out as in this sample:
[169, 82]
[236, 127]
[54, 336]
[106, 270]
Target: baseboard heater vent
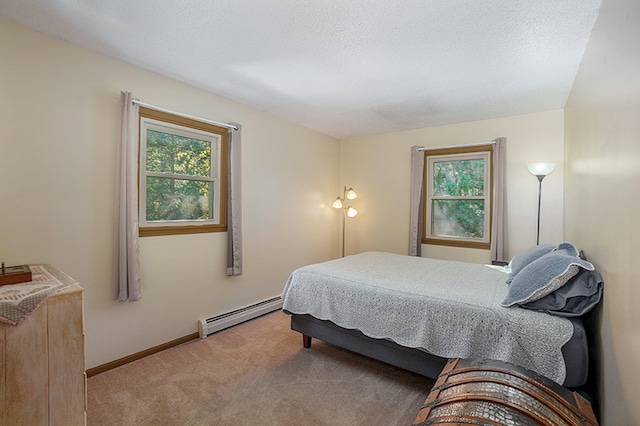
[207, 326]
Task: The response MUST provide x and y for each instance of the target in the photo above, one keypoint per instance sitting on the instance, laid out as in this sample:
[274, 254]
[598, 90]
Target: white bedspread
[450, 309]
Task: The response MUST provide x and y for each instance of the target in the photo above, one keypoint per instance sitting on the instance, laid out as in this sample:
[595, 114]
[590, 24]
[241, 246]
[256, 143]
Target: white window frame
[428, 197]
[187, 226]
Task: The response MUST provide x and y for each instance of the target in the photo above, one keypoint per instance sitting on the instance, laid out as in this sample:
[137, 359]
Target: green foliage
[463, 178]
[169, 198]
[177, 199]
[459, 217]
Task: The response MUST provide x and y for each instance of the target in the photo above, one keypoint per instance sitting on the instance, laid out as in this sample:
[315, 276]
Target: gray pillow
[545, 275]
[527, 256]
[569, 248]
[577, 297]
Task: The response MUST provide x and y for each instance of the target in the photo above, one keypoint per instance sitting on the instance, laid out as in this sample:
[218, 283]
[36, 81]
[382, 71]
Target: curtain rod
[204, 120]
[456, 146]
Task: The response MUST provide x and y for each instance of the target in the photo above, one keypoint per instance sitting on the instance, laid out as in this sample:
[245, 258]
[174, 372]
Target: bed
[415, 313]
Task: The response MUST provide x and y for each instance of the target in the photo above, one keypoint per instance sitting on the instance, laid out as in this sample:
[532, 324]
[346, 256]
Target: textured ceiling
[345, 68]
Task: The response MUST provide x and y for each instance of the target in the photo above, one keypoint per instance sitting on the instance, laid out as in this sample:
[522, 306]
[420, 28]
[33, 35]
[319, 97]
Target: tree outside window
[457, 197]
[182, 175]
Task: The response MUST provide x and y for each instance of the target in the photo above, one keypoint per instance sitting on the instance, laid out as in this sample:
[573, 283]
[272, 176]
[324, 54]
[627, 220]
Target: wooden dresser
[42, 364]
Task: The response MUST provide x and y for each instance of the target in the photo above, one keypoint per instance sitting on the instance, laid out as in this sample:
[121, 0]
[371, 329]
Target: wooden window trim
[454, 242]
[151, 231]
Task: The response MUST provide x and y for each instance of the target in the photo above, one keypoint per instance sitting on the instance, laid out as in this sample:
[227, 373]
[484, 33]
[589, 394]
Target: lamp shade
[351, 212]
[351, 194]
[541, 169]
[337, 204]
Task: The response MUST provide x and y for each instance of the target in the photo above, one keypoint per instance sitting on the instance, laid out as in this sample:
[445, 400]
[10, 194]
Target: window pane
[457, 218]
[464, 178]
[178, 199]
[178, 154]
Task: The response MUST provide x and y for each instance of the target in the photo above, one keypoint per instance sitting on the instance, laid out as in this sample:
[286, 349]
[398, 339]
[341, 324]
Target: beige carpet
[256, 373]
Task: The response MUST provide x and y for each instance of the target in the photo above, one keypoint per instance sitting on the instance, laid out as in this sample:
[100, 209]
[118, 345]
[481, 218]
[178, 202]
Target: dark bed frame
[419, 361]
[414, 360]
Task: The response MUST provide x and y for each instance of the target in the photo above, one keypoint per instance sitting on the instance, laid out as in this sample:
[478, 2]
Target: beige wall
[602, 194]
[59, 107]
[378, 168]
[59, 115]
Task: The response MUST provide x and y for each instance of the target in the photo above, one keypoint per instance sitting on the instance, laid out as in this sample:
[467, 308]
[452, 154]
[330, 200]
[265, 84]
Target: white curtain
[127, 283]
[234, 214]
[416, 214]
[499, 221]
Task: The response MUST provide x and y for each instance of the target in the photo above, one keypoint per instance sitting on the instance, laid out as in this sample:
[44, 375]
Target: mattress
[449, 309]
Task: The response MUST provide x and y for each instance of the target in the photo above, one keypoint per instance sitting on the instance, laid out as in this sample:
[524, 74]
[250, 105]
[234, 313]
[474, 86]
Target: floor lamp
[347, 211]
[540, 170]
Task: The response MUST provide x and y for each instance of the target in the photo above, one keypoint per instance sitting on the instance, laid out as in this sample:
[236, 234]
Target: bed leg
[306, 341]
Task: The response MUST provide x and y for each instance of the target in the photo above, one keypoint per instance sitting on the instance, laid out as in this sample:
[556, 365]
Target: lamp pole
[540, 170]
[540, 177]
[344, 214]
[341, 203]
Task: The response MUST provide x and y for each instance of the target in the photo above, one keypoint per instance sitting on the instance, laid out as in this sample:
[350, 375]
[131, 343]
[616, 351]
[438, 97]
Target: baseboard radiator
[207, 326]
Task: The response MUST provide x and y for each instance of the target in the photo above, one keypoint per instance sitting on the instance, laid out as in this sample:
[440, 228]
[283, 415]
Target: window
[183, 175]
[457, 197]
